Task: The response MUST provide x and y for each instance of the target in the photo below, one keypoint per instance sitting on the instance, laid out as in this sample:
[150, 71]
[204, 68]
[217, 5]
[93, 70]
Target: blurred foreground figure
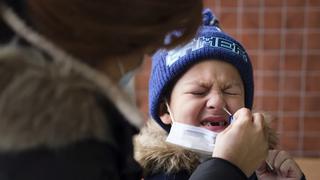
[63, 65]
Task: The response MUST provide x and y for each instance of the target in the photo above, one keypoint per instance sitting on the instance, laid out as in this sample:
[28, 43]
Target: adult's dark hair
[97, 29]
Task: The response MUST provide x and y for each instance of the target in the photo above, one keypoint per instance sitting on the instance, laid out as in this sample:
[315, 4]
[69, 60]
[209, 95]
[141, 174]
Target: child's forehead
[209, 72]
[209, 82]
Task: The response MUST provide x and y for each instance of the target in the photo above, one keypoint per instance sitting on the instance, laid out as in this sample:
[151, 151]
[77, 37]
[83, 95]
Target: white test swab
[231, 116]
[226, 110]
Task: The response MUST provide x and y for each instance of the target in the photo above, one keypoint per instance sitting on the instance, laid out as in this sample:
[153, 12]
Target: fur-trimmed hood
[155, 155]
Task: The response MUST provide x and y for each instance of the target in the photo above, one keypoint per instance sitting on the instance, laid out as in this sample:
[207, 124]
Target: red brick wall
[282, 38]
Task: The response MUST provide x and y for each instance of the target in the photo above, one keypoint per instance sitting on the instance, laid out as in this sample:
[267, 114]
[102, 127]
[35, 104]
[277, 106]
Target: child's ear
[165, 118]
[164, 114]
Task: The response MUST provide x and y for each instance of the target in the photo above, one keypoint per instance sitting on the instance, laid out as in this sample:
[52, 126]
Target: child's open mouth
[214, 124]
[208, 123]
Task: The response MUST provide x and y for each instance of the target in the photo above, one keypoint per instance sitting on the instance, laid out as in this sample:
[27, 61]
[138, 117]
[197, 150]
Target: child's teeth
[221, 123]
[213, 123]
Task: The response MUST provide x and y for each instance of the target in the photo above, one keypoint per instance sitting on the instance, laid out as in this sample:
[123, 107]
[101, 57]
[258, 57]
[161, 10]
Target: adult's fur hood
[42, 105]
[155, 155]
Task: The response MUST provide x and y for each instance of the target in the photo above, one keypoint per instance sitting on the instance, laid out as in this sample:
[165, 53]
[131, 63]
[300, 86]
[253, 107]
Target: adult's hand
[244, 142]
[284, 167]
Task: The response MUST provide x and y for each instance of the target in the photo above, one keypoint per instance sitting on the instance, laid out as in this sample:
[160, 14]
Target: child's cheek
[188, 113]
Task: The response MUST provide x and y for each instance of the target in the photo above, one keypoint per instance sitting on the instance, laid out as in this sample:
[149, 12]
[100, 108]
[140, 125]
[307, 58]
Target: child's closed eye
[232, 90]
[198, 93]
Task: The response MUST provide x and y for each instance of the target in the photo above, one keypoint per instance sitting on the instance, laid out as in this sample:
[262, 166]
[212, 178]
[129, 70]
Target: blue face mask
[126, 78]
[127, 81]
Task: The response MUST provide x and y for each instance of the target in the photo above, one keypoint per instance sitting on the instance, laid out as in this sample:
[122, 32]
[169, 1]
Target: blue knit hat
[209, 43]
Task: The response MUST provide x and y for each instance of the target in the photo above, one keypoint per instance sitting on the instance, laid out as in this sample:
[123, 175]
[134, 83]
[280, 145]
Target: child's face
[199, 96]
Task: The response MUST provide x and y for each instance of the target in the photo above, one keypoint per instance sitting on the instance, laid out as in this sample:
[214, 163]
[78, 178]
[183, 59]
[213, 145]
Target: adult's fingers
[271, 156]
[290, 169]
[242, 116]
[258, 121]
[280, 158]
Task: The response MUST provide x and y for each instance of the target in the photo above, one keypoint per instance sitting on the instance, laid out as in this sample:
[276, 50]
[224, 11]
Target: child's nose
[215, 101]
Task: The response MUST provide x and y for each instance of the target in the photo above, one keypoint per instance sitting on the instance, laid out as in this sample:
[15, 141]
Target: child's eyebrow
[205, 84]
[198, 82]
[232, 84]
